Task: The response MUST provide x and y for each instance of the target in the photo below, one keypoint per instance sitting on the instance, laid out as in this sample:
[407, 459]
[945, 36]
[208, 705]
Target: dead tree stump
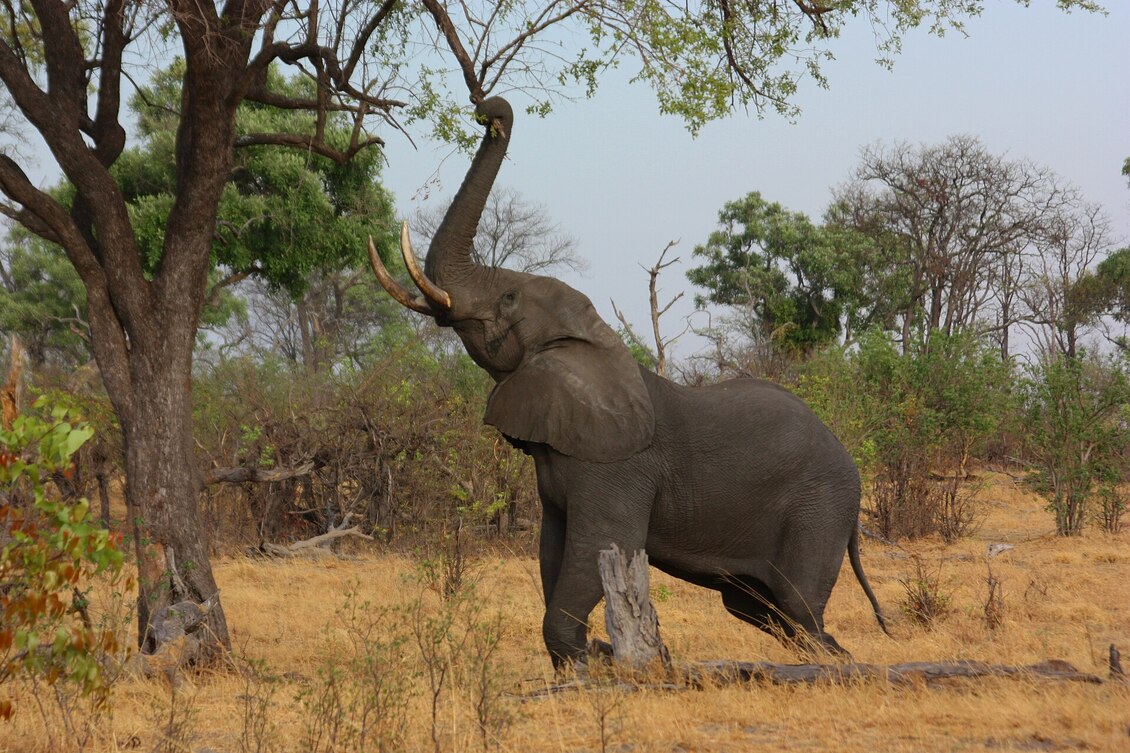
[633, 626]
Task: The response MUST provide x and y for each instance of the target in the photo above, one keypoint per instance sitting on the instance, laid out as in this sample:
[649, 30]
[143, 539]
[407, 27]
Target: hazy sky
[1029, 82]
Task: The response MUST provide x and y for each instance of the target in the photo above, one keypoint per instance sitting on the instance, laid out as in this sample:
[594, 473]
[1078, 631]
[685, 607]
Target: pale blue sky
[1029, 82]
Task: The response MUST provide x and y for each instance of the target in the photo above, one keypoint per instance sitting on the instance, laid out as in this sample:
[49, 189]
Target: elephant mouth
[495, 344]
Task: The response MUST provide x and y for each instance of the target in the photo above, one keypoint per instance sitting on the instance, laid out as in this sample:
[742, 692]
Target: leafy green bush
[912, 420]
[52, 551]
[1077, 411]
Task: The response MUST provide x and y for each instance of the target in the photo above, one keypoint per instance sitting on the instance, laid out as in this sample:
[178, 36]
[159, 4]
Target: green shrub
[1077, 413]
[52, 552]
[912, 420]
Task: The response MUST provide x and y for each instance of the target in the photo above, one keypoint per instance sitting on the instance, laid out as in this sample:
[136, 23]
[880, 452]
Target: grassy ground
[1063, 599]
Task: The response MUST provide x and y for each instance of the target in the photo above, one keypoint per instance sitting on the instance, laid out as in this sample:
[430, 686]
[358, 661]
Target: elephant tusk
[394, 288]
[431, 291]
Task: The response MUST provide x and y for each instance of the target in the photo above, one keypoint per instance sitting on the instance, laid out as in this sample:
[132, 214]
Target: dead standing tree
[661, 343]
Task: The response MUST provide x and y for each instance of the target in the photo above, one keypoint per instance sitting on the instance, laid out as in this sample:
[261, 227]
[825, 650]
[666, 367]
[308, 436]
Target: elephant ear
[585, 398]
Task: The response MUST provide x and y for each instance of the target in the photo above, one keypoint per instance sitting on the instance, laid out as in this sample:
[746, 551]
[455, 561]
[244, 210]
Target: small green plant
[360, 700]
[259, 733]
[449, 568]
[661, 593]
[483, 675]
[52, 552]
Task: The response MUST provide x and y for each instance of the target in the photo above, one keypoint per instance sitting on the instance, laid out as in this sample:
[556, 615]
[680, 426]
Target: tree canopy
[796, 277]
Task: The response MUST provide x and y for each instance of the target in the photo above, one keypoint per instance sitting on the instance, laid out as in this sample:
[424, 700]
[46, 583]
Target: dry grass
[1064, 599]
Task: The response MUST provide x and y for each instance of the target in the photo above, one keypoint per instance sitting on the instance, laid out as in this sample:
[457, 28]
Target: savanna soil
[1062, 598]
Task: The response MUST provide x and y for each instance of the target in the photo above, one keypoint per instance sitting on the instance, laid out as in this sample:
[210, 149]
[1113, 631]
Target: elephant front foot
[596, 656]
[598, 649]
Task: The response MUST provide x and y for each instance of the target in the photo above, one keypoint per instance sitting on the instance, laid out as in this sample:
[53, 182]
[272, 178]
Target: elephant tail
[857, 568]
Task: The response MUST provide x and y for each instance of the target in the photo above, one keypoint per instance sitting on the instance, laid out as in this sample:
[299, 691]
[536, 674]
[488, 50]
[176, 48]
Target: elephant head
[563, 376]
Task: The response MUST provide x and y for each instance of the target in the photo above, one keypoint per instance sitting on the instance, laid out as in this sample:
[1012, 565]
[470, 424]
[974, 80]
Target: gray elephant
[736, 486]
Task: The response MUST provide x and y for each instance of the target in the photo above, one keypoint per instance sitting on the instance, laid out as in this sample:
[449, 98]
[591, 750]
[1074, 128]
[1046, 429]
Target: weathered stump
[633, 626]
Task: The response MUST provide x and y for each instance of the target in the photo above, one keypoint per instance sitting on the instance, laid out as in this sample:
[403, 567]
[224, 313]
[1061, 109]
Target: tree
[296, 223]
[337, 318]
[64, 67]
[796, 280]
[958, 219]
[513, 233]
[656, 359]
[1059, 306]
[1106, 290]
[42, 301]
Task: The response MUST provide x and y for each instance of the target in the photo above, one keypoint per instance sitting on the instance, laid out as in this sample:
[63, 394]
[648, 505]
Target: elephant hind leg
[752, 601]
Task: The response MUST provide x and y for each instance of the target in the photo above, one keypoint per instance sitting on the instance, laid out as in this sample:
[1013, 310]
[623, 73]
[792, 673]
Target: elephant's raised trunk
[449, 261]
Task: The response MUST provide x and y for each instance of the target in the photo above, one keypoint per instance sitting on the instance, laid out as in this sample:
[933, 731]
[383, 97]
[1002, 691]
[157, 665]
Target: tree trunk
[163, 491]
[10, 391]
[633, 626]
[103, 496]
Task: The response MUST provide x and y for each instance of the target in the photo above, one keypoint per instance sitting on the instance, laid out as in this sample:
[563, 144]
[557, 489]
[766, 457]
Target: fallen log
[313, 546]
[241, 474]
[725, 672]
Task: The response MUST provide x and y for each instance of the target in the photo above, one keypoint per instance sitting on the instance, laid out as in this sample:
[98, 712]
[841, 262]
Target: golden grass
[1064, 599]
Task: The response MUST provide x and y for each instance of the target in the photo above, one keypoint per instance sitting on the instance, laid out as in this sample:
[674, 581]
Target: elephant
[736, 486]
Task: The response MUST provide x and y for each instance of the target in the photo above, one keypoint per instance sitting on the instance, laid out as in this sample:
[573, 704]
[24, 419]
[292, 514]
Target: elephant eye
[509, 297]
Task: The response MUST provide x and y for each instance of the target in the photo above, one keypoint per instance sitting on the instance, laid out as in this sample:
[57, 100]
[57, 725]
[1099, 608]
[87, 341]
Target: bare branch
[240, 474]
[451, 35]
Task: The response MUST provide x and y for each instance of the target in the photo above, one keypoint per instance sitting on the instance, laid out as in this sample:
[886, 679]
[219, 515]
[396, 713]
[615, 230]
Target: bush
[912, 421]
[397, 446]
[52, 553]
[1077, 411]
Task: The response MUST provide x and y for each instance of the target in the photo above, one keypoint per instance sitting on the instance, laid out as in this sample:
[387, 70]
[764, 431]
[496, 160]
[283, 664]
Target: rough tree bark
[633, 626]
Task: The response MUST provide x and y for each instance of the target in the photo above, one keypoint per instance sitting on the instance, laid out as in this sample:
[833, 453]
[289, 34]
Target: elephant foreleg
[578, 588]
[551, 548]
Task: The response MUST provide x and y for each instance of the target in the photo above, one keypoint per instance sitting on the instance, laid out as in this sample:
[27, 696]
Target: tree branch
[451, 35]
[240, 474]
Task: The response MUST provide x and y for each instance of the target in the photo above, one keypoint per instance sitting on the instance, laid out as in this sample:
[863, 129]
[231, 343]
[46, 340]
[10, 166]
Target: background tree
[793, 286]
[64, 68]
[1057, 309]
[1106, 290]
[43, 301]
[513, 233]
[957, 217]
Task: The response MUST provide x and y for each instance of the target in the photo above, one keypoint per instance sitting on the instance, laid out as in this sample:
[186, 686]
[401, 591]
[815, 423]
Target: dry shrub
[925, 602]
[398, 448]
[993, 609]
[1112, 504]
